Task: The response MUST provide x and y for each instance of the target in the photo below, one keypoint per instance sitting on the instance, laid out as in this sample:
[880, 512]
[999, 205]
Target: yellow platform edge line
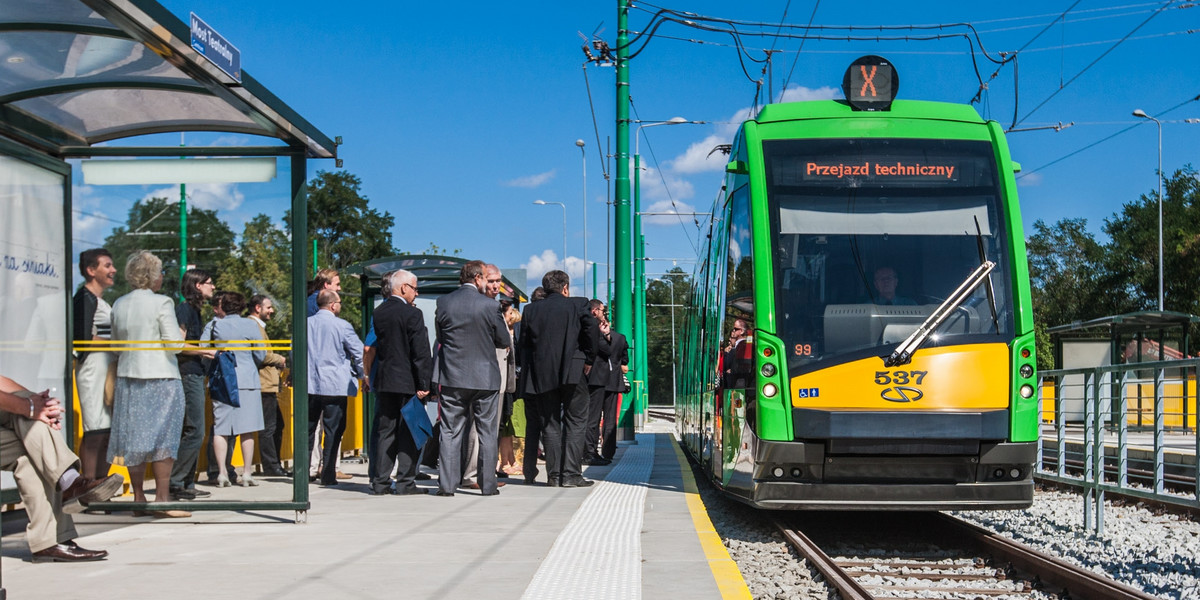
[725, 571]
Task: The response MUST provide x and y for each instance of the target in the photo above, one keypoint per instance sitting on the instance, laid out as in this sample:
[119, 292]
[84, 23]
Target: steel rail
[839, 579]
[1079, 582]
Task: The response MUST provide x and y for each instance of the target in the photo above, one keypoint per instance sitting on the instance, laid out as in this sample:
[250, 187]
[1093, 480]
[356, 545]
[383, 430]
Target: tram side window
[738, 326]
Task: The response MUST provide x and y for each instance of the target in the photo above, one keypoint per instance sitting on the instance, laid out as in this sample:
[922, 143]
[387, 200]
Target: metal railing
[1093, 412]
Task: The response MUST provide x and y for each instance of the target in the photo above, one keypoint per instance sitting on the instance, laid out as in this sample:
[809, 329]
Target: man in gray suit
[469, 330]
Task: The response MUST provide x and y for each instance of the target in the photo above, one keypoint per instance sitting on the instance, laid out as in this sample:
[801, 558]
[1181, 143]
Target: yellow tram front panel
[966, 377]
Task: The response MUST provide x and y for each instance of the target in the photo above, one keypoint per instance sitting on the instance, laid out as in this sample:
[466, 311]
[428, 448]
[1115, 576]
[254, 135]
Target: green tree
[1133, 249]
[154, 226]
[347, 231]
[665, 298]
[262, 265]
[1076, 278]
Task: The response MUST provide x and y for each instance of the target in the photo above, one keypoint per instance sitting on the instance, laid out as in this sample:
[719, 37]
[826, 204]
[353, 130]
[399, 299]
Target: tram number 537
[900, 377]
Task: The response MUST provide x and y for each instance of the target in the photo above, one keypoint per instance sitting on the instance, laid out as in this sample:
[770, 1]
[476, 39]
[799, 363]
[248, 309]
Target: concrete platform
[623, 539]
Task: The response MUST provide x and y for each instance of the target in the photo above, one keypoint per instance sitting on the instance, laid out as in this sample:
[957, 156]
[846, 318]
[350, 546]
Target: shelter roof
[436, 274]
[74, 73]
[1151, 320]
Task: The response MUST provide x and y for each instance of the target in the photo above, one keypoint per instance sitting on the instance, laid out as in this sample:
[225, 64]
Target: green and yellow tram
[872, 250]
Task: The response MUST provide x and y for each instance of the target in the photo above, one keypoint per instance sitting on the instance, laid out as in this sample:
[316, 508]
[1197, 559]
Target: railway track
[929, 555]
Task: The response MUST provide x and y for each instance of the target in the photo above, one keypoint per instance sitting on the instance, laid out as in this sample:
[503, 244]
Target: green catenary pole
[622, 307]
[639, 299]
[299, 332]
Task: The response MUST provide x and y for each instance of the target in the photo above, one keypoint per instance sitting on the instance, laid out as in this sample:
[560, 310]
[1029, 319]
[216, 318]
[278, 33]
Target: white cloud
[699, 157]
[653, 187]
[1030, 180]
[548, 260]
[531, 181]
[664, 206]
[799, 93]
[209, 196]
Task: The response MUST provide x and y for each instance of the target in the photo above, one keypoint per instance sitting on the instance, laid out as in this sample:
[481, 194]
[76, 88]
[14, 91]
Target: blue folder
[418, 421]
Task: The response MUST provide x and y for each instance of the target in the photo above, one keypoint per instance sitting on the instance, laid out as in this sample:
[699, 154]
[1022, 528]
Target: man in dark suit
[469, 330]
[598, 381]
[403, 368]
[559, 338]
[618, 357]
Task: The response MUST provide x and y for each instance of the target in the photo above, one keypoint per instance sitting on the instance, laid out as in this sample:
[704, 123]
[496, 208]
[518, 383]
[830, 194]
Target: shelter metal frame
[53, 108]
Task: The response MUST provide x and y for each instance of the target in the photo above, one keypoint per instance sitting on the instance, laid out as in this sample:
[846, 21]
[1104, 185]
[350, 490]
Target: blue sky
[458, 117]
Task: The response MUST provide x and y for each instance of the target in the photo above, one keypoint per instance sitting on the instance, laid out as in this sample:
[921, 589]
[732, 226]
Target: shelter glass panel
[34, 275]
[110, 113]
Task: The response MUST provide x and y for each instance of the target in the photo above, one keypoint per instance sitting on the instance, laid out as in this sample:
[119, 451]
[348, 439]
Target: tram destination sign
[216, 48]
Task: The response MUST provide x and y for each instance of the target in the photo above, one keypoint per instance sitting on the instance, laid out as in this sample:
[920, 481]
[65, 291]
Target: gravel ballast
[1149, 550]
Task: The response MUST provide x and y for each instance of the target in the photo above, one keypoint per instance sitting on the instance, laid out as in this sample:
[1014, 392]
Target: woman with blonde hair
[148, 401]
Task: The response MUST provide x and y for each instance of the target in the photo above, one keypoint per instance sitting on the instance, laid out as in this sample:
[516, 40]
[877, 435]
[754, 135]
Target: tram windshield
[871, 235]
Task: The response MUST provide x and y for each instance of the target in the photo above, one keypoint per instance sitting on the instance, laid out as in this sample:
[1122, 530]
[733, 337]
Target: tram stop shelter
[75, 74]
[1147, 336]
[437, 275]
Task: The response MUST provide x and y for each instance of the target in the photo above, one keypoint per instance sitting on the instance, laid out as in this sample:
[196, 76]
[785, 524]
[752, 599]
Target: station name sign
[879, 170]
[216, 49]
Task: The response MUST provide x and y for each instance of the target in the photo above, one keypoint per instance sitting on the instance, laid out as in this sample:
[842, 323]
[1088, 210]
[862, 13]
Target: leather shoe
[599, 462]
[275, 473]
[409, 491]
[495, 492]
[474, 485]
[189, 494]
[424, 476]
[385, 492]
[86, 490]
[68, 552]
[570, 482]
[441, 493]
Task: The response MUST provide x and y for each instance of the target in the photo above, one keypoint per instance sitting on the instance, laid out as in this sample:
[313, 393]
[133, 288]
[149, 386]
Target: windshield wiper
[903, 353]
[991, 293]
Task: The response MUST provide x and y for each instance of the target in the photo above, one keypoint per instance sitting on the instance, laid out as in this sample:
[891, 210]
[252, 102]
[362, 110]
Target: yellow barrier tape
[160, 345]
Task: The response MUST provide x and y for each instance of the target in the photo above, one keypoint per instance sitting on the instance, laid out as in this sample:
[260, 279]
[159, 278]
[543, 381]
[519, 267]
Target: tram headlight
[1027, 391]
[768, 370]
[770, 390]
[1026, 371]
[777, 472]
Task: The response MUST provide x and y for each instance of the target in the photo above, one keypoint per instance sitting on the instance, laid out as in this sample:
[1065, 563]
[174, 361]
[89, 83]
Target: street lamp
[583, 154]
[639, 270]
[564, 207]
[1142, 114]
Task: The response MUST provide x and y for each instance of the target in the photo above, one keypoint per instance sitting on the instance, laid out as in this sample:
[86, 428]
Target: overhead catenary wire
[641, 39]
[796, 58]
[1063, 86]
[595, 125]
[1029, 172]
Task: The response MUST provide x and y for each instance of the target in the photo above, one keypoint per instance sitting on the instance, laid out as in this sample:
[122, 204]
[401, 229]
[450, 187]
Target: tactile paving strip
[598, 555]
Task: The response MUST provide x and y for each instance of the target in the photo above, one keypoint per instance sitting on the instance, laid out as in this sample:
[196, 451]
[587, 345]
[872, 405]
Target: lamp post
[639, 251]
[1142, 114]
[583, 155]
[564, 207]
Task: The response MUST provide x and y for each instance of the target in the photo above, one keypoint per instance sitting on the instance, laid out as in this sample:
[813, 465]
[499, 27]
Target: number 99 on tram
[859, 335]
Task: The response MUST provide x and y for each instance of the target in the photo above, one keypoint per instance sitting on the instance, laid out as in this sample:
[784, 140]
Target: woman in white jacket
[148, 403]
